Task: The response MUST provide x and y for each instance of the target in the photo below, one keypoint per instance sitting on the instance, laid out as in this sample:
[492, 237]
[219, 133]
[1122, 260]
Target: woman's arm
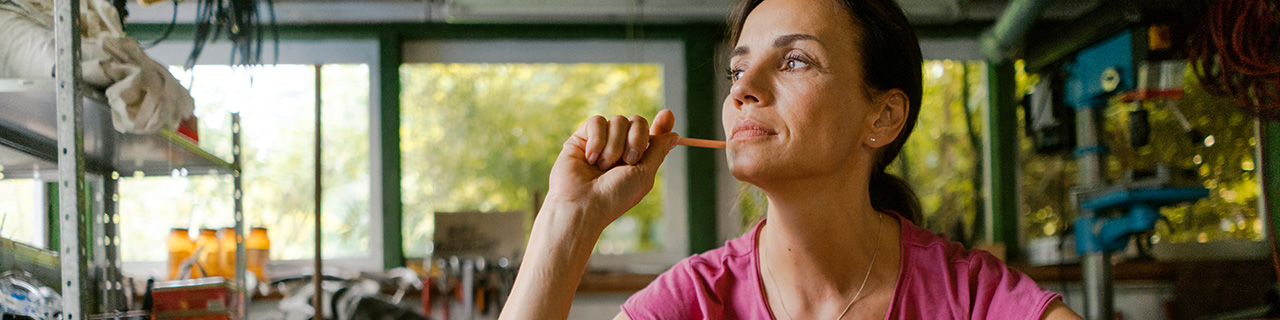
[552, 267]
[605, 169]
[1059, 311]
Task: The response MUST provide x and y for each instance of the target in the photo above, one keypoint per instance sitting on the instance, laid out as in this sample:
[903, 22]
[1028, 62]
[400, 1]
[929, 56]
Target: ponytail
[892, 194]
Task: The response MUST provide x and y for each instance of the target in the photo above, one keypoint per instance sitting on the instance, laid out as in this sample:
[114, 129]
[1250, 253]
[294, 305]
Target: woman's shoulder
[975, 281]
[923, 243]
[700, 285]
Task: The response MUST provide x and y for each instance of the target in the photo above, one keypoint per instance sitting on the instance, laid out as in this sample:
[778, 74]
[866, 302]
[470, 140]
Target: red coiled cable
[1235, 53]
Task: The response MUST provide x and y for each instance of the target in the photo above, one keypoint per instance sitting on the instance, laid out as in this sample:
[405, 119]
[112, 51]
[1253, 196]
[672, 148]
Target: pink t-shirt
[937, 280]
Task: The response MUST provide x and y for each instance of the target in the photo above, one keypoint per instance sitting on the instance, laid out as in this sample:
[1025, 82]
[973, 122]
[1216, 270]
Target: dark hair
[890, 60]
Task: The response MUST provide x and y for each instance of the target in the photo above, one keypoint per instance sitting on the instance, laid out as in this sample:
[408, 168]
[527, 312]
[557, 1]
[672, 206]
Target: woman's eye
[796, 64]
[735, 74]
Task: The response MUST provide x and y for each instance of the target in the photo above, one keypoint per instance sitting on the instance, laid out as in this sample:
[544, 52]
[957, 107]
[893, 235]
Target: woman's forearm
[590, 185]
[554, 261]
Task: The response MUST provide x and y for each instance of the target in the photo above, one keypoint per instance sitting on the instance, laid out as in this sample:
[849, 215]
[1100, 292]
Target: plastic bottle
[207, 259]
[180, 248]
[258, 249]
[227, 253]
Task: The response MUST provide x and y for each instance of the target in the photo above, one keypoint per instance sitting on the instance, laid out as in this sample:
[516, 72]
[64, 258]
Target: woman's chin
[750, 169]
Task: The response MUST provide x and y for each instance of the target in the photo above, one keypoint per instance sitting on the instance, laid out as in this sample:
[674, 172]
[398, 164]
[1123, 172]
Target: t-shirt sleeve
[676, 294]
[999, 292]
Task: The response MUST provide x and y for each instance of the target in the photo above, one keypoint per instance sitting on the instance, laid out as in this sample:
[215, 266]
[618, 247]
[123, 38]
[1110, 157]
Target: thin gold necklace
[783, 302]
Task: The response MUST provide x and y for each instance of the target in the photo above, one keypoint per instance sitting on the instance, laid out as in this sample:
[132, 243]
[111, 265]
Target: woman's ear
[892, 108]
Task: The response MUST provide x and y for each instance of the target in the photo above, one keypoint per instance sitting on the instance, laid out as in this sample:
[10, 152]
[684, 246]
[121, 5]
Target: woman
[824, 94]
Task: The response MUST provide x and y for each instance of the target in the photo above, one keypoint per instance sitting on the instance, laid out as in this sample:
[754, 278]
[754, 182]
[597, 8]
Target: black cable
[201, 31]
[275, 31]
[168, 30]
[122, 11]
[219, 18]
[258, 32]
[240, 21]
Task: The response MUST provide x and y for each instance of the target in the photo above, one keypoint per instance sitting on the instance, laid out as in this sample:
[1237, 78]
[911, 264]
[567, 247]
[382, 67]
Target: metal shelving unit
[61, 129]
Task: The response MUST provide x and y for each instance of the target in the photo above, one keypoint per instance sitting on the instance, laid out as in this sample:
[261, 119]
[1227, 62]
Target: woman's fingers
[637, 139]
[597, 135]
[617, 142]
[621, 140]
[664, 122]
[658, 149]
[662, 142]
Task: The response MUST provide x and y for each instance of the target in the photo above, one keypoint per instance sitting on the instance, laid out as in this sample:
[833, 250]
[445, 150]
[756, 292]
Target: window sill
[1154, 270]
[592, 283]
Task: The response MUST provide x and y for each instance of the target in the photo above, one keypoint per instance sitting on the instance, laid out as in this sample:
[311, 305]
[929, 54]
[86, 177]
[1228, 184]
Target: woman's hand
[609, 165]
[605, 168]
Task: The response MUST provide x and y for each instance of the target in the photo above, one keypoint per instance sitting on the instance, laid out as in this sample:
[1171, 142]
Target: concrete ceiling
[921, 12]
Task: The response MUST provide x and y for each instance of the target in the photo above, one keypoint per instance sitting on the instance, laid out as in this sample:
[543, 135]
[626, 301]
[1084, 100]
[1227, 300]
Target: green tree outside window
[483, 137]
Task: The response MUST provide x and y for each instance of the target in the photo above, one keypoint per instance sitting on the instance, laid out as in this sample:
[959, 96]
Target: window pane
[20, 219]
[1222, 161]
[277, 117]
[149, 206]
[483, 137]
[942, 158]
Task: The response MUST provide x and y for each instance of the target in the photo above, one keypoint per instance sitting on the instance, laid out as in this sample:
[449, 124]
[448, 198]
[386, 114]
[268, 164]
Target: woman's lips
[747, 129]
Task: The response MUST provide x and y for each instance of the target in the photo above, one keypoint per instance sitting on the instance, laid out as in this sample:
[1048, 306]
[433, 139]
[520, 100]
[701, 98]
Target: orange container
[258, 249]
[207, 259]
[227, 253]
[180, 248]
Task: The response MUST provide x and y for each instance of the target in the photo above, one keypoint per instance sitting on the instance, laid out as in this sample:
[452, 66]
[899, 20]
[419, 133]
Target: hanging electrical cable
[173, 21]
[1234, 53]
[241, 22]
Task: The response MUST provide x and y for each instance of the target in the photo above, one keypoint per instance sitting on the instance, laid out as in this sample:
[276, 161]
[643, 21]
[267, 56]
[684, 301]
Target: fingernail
[633, 156]
[603, 166]
[591, 158]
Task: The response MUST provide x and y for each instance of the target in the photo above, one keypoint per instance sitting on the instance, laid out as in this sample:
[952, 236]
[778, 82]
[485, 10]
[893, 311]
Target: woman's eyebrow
[792, 38]
[781, 41]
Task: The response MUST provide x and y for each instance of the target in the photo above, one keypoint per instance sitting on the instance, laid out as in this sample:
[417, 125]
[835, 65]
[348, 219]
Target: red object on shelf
[200, 299]
[225, 316]
[426, 294]
[1151, 95]
[190, 128]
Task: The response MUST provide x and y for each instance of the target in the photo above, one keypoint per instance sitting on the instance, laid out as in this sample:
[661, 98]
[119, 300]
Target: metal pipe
[1090, 166]
[1010, 28]
[1097, 286]
[316, 276]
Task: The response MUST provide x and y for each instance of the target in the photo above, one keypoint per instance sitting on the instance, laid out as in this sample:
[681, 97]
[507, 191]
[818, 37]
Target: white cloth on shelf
[26, 47]
[144, 97]
[98, 18]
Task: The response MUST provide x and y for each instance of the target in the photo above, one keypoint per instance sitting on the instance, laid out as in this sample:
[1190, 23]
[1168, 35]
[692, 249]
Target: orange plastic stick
[701, 143]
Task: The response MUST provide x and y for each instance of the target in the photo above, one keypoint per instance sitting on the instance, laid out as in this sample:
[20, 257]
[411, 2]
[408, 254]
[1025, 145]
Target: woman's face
[797, 107]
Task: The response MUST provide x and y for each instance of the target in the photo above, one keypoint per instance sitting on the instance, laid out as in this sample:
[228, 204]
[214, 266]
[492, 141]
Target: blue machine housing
[1096, 233]
[1084, 85]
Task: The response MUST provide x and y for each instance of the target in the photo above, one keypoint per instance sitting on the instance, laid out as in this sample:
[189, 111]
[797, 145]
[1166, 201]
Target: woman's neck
[820, 239]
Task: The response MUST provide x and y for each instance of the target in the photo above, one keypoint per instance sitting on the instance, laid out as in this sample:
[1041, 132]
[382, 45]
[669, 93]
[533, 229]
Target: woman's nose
[751, 89]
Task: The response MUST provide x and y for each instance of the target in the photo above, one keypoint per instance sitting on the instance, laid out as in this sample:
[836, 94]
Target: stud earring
[873, 139]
